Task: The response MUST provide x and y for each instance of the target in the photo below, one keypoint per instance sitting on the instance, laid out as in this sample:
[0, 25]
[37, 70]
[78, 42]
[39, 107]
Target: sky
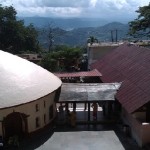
[77, 8]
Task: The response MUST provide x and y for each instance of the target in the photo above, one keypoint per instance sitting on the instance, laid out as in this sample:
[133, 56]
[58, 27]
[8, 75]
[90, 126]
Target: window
[51, 112]
[37, 120]
[37, 107]
[44, 118]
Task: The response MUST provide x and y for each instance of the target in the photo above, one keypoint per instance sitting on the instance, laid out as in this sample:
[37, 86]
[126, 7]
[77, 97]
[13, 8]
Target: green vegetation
[141, 25]
[92, 40]
[79, 36]
[14, 36]
[62, 58]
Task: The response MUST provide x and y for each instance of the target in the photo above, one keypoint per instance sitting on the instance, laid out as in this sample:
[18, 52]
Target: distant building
[27, 96]
[130, 64]
[96, 51]
[144, 43]
[36, 58]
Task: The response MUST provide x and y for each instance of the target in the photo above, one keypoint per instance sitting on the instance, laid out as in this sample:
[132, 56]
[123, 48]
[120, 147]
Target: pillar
[88, 111]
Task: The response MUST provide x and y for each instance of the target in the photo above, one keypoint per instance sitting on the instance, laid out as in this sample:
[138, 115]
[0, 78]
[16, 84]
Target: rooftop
[130, 65]
[92, 73]
[105, 44]
[82, 92]
[23, 81]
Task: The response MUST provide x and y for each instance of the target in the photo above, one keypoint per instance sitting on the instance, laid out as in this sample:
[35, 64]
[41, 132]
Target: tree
[31, 42]
[50, 33]
[14, 36]
[141, 25]
[92, 40]
[63, 58]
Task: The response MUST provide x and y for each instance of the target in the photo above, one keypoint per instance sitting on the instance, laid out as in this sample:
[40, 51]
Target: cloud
[93, 3]
[77, 8]
[52, 3]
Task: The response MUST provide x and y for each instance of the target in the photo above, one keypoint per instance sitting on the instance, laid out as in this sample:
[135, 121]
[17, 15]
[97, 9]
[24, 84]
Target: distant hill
[79, 36]
[64, 23]
[76, 31]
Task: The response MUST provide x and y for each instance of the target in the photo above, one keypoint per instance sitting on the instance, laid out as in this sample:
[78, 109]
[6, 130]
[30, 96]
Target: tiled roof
[129, 64]
[92, 73]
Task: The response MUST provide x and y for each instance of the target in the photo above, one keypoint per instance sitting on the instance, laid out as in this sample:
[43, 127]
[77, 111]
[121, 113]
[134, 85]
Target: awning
[82, 92]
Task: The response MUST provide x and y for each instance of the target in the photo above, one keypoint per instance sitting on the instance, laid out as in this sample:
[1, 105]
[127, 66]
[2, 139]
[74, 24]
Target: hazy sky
[77, 8]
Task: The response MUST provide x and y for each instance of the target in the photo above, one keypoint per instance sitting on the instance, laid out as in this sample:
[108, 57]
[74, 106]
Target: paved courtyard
[83, 140]
[100, 136]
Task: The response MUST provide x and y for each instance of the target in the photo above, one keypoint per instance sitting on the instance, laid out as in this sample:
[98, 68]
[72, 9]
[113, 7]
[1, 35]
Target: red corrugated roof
[92, 73]
[129, 64]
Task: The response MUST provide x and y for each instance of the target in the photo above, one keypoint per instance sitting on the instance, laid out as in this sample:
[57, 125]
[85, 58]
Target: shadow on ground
[34, 141]
[40, 138]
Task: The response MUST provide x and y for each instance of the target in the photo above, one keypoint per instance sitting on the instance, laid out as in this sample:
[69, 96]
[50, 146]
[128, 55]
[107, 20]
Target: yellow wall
[29, 109]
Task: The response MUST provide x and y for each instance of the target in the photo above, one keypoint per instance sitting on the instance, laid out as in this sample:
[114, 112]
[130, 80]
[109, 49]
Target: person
[61, 111]
[85, 106]
[73, 118]
[74, 106]
[95, 108]
[68, 117]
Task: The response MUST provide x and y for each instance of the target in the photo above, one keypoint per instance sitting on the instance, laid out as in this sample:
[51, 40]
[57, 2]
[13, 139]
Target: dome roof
[22, 81]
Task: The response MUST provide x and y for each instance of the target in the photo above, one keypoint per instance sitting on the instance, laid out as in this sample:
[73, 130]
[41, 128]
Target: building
[96, 51]
[27, 96]
[35, 58]
[130, 64]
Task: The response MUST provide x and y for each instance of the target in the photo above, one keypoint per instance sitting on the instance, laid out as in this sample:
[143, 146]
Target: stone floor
[83, 140]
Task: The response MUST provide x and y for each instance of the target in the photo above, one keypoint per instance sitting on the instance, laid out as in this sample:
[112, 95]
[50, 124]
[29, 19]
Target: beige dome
[22, 81]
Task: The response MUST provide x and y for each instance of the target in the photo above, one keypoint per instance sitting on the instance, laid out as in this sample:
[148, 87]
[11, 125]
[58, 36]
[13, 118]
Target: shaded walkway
[102, 94]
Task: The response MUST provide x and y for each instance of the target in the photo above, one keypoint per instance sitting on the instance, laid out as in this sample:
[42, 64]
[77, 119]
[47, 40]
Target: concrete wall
[135, 126]
[30, 109]
[145, 133]
[139, 131]
[141, 116]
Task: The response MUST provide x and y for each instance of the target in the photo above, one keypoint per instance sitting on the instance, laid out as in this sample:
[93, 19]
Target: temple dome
[22, 81]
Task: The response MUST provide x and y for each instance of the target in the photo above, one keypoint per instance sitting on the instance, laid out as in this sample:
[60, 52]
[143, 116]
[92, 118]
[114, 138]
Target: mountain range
[64, 23]
[76, 31]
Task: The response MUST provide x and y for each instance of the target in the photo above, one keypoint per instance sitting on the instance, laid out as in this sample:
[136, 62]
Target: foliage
[14, 36]
[62, 58]
[92, 40]
[141, 25]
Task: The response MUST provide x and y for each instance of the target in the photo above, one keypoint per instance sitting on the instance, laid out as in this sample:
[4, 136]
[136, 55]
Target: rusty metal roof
[129, 64]
[82, 92]
[92, 73]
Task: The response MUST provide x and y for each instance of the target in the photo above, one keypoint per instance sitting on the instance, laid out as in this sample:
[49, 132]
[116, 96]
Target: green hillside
[79, 36]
